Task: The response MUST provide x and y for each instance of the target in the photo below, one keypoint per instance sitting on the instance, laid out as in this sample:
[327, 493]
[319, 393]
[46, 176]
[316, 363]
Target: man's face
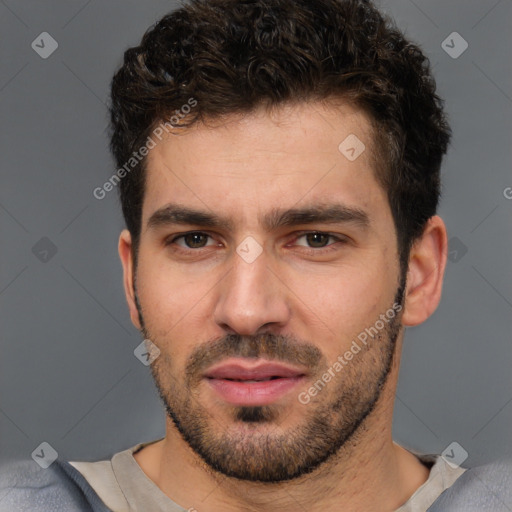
[250, 306]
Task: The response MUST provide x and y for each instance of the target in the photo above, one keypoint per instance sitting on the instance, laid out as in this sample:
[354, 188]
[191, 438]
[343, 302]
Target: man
[278, 168]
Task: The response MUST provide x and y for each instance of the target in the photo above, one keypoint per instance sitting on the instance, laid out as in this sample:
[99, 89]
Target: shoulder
[486, 488]
[24, 486]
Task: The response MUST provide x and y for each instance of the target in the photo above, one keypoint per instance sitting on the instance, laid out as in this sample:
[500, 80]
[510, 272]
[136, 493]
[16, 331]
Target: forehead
[309, 153]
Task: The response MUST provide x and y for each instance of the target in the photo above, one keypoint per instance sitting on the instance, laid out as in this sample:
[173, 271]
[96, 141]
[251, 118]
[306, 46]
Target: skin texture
[303, 300]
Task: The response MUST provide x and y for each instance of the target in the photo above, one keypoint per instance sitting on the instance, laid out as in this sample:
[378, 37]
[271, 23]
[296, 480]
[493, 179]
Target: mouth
[251, 383]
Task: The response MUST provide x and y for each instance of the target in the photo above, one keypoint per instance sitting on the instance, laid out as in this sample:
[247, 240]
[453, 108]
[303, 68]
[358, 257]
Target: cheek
[168, 298]
[346, 303]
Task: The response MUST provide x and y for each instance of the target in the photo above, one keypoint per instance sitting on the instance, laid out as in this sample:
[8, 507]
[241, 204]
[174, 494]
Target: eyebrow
[276, 218]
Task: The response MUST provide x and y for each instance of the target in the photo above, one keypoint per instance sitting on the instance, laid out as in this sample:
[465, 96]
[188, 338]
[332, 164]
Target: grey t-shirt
[124, 487]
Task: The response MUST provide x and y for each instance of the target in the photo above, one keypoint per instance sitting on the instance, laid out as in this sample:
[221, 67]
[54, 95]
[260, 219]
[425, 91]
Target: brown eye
[317, 239]
[192, 240]
[195, 240]
[318, 243]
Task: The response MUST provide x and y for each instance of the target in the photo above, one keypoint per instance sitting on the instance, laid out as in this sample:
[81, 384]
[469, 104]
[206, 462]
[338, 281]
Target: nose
[251, 298]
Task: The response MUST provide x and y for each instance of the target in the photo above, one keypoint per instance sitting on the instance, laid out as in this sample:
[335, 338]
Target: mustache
[269, 346]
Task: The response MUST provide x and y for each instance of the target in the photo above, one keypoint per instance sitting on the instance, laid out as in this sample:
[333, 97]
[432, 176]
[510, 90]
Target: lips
[246, 382]
[245, 371]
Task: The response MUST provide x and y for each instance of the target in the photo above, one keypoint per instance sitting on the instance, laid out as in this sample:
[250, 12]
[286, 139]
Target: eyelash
[309, 250]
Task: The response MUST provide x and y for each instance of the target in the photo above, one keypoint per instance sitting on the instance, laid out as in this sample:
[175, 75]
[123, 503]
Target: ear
[427, 262]
[125, 253]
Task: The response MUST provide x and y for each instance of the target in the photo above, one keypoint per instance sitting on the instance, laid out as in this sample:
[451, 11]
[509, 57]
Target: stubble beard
[253, 446]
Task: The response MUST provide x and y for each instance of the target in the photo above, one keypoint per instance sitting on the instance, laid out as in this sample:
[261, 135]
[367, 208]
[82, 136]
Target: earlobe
[427, 262]
[126, 255]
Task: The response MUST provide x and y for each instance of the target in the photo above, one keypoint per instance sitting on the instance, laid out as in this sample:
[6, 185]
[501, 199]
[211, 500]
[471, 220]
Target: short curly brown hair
[235, 55]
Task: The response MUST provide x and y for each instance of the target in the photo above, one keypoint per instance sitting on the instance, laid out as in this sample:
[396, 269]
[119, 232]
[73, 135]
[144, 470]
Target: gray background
[68, 374]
